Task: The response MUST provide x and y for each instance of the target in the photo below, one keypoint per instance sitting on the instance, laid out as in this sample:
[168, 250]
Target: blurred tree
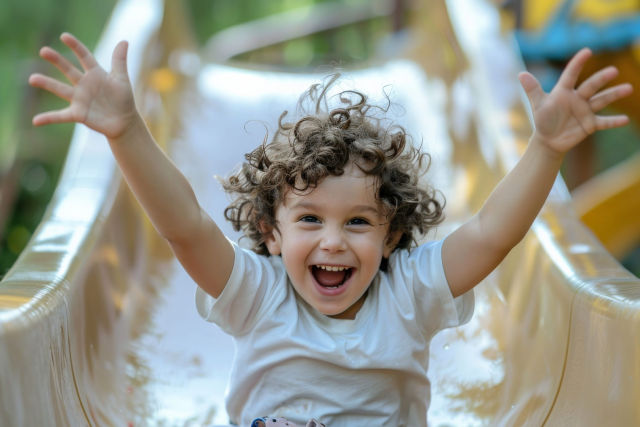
[349, 44]
[31, 158]
[211, 16]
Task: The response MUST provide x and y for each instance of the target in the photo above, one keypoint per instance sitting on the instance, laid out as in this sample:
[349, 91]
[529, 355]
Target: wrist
[541, 145]
[132, 131]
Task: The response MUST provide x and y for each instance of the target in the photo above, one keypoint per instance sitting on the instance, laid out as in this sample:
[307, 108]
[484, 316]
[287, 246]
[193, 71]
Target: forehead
[352, 189]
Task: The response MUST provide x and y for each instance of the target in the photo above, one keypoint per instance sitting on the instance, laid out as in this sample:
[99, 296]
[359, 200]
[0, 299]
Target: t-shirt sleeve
[423, 272]
[251, 289]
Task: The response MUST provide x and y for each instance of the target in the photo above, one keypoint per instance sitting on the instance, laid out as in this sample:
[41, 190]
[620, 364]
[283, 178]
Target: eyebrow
[313, 206]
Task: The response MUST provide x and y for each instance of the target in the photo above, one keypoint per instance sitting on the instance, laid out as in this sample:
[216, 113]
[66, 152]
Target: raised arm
[563, 118]
[104, 102]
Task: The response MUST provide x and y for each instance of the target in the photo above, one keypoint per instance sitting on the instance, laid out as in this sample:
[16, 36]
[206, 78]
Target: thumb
[119, 59]
[532, 87]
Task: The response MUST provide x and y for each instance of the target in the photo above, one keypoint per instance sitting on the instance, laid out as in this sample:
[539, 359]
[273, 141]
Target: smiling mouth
[331, 279]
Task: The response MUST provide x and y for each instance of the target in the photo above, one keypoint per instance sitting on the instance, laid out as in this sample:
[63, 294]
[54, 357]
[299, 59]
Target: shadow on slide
[97, 321]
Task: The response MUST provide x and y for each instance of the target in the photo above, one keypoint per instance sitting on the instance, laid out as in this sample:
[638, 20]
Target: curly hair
[302, 153]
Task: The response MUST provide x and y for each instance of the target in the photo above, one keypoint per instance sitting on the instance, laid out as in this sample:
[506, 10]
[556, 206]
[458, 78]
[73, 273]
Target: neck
[350, 313]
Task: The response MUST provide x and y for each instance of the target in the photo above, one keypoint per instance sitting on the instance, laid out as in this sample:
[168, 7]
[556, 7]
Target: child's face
[338, 225]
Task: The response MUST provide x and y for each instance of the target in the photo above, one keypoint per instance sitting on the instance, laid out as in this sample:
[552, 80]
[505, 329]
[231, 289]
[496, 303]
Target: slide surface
[98, 325]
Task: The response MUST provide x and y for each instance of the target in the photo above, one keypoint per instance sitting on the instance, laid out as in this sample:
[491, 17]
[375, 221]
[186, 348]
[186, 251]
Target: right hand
[102, 101]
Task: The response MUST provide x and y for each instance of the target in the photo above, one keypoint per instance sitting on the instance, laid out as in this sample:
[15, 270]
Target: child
[331, 313]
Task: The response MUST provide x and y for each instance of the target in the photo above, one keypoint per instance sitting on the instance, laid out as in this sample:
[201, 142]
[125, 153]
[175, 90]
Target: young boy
[332, 315]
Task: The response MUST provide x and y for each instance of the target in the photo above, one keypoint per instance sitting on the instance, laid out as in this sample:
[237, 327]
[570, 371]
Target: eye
[358, 221]
[309, 218]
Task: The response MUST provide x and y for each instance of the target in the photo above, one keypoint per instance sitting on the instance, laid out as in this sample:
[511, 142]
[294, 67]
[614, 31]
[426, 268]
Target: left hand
[566, 116]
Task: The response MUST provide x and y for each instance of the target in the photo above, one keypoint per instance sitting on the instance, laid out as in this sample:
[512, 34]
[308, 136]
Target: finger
[532, 87]
[64, 91]
[609, 122]
[119, 59]
[606, 97]
[69, 71]
[58, 116]
[570, 74]
[84, 55]
[594, 83]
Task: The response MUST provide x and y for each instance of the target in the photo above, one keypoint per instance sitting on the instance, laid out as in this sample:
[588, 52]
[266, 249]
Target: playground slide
[97, 320]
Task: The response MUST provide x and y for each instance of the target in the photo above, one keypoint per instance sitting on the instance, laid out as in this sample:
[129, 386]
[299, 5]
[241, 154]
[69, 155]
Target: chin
[330, 310]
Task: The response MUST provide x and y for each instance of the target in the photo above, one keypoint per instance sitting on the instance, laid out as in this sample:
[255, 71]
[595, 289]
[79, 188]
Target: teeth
[331, 267]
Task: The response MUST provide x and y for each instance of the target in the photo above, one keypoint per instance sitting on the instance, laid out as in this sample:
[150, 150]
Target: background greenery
[35, 155]
[351, 43]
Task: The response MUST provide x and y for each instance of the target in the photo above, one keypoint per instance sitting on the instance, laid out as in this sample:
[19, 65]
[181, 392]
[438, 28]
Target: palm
[102, 101]
[566, 116]
[99, 100]
[562, 120]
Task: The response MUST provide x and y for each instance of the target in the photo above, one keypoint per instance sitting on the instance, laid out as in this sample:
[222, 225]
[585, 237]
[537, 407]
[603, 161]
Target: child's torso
[298, 364]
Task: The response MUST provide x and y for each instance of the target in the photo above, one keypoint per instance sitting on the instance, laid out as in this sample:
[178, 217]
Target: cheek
[299, 242]
[296, 249]
[368, 247]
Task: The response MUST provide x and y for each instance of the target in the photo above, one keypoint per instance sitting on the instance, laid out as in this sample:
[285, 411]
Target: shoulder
[416, 258]
[256, 284]
[422, 272]
[250, 263]
[419, 270]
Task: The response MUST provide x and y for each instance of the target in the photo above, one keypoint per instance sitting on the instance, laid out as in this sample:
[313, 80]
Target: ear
[391, 243]
[271, 238]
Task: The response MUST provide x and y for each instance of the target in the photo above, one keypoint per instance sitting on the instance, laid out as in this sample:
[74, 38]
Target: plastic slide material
[97, 319]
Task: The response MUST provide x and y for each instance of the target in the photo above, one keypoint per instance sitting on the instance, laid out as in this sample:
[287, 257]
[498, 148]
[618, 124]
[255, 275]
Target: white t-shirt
[292, 361]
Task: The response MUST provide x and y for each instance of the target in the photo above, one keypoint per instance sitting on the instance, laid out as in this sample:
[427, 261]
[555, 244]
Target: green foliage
[211, 16]
[347, 45]
[35, 155]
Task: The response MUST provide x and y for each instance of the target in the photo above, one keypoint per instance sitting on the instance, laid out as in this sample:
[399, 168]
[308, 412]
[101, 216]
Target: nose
[333, 241]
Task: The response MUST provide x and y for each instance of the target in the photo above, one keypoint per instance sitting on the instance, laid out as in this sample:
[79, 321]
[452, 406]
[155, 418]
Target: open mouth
[331, 277]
